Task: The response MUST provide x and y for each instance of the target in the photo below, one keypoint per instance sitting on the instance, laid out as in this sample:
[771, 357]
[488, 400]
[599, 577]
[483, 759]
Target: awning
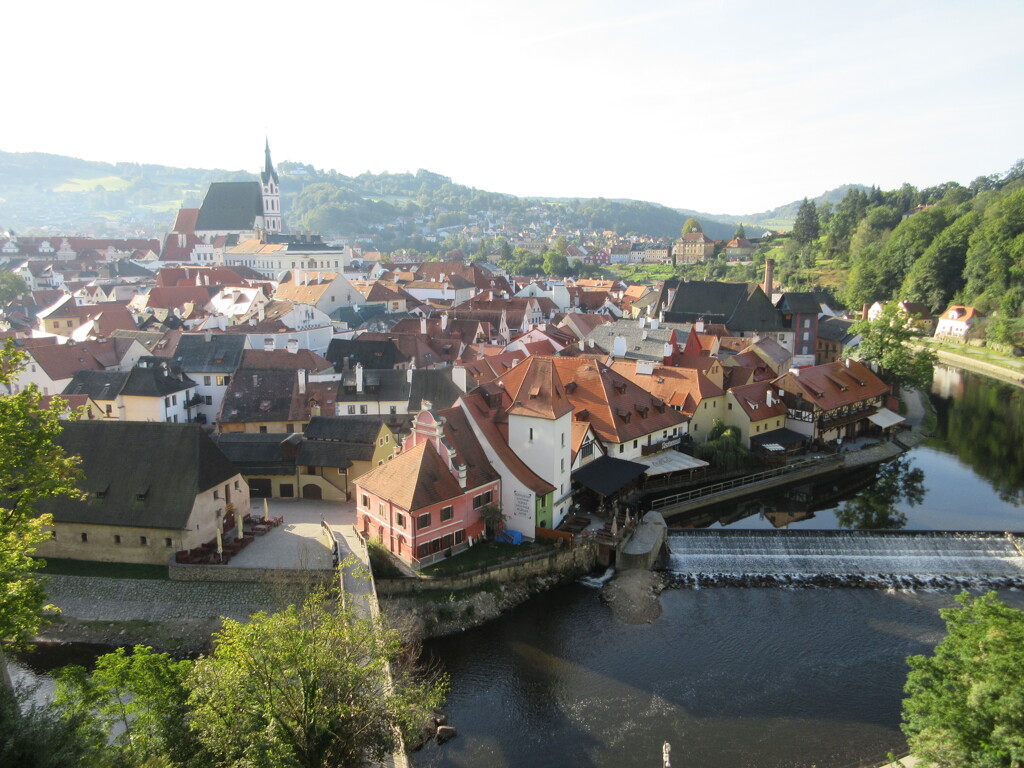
[607, 475]
[670, 461]
[778, 440]
[885, 418]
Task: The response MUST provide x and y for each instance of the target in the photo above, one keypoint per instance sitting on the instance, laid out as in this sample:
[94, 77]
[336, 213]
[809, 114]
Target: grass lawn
[109, 183]
[60, 567]
[978, 353]
[480, 556]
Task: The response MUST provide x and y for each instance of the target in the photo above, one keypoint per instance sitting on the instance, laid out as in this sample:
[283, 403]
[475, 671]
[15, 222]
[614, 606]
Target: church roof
[230, 206]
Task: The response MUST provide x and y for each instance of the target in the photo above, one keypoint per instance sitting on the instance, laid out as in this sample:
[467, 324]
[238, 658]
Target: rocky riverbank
[633, 596]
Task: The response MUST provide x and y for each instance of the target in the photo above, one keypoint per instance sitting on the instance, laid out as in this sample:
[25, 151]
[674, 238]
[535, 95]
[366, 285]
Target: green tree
[556, 264]
[33, 468]
[307, 687]
[36, 735]
[885, 342]
[691, 225]
[134, 704]
[806, 227]
[938, 274]
[493, 518]
[965, 707]
[740, 231]
[724, 447]
[11, 286]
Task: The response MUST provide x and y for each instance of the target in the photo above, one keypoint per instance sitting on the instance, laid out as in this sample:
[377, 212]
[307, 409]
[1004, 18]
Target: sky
[723, 106]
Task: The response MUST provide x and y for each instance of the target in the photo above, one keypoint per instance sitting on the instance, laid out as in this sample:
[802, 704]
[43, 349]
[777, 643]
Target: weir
[901, 559]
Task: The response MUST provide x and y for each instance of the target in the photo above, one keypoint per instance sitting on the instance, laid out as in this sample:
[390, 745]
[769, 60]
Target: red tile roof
[414, 479]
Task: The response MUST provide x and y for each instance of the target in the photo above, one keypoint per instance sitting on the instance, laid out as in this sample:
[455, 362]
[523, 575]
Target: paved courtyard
[299, 542]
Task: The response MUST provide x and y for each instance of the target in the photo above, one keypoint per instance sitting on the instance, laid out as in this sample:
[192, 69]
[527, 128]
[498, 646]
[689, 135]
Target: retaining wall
[560, 563]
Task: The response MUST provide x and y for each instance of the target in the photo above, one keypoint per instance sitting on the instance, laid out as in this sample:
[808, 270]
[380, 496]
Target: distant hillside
[43, 192]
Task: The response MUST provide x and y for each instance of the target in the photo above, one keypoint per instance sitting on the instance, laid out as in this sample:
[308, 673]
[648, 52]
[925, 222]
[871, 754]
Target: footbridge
[900, 559]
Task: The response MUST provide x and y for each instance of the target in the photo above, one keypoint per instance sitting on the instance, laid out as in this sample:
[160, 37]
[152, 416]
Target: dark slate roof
[740, 306]
[155, 377]
[221, 354]
[348, 429]
[386, 384]
[259, 395]
[99, 385]
[356, 317]
[435, 385]
[260, 454]
[607, 474]
[230, 205]
[326, 454]
[802, 303]
[371, 354]
[139, 474]
[835, 329]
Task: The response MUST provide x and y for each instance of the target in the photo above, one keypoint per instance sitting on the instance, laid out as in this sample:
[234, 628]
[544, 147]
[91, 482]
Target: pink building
[426, 502]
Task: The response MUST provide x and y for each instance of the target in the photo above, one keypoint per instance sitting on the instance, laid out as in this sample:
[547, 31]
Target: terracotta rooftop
[414, 479]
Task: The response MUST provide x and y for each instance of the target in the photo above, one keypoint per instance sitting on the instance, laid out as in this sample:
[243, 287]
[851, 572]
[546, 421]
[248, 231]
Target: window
[423, 550]
[167, 402]
[807, 322]
[85, 538]
[481, 499]
[435, 545]
[351, 410]
[174, 399]
[394, 409]
[563, 439]
[400, 520]
[209, 400]
[263, 430]
[381, 509]
[206, 381]
[117, 538]
[143, 541]
[216, 494]
[635, 442]
[423, 521]
[289, 427]
[366, 501]
[459, 537]
[531, 433]
[447, 541]
[168, 542]
[563, 465]
[587, 450]
[621, 447]
[446, 514]
[362, 409]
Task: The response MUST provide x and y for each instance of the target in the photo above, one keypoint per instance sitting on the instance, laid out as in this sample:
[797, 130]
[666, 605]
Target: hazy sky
[719, 106]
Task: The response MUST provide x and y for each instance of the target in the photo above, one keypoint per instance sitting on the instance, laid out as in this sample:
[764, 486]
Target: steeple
[271, 195]
[268, 168]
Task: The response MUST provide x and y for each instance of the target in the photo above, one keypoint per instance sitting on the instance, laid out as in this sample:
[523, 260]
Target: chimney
[795, 371]
[269, 344]
[262, 314]
[462, 475]
[619, 346]
[768, 398]
[644, 367]
[293, 346]
[444, 321]
[699, 326]
[846, 362]
[583, 345]
[590, 343]
[668, 350]
[302, 381]
[408, 372]
[769, 276]
[208, 336]
[654, 323]
[643, 335]
[459, 378]
[423, 326]
[359, 378]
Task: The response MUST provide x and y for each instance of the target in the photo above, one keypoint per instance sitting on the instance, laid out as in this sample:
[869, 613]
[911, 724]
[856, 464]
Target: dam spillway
[883, 559]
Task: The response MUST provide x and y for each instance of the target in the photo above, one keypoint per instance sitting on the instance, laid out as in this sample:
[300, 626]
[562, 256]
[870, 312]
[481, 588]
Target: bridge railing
[739, 482]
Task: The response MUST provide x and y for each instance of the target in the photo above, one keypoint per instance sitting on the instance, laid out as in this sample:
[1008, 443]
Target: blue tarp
[511, 537]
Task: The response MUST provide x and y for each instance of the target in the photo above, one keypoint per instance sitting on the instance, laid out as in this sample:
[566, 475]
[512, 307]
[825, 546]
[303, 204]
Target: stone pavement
[299, 542]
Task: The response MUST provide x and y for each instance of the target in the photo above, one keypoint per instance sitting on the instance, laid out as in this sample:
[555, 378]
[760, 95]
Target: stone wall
[181, 572]
[559, 563]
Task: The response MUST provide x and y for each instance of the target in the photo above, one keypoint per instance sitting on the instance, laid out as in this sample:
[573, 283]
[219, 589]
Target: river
[765, 678]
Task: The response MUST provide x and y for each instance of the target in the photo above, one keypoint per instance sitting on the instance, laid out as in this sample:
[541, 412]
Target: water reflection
[982, 422]
[874, 508]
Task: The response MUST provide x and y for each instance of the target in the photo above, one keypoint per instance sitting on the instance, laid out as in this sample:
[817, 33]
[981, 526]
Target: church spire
[268, 169]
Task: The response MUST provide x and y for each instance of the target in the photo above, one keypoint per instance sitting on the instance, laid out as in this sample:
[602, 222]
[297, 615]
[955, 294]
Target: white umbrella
[615, 525]
[266, 511]
[238, 523]
[220, 544]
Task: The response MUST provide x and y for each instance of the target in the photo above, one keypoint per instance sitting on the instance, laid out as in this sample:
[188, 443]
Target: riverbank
[979, 360]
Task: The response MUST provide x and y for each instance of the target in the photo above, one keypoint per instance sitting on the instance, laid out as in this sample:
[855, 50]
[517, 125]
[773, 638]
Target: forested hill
[41, 190]
[937, 246]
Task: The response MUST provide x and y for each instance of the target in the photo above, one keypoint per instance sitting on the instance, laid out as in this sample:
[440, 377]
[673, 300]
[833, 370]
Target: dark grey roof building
[743, 308]
[231, 206]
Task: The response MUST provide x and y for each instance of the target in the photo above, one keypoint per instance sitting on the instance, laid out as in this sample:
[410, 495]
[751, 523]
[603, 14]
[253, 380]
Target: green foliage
[884, 342]
[806, 227]
[493, 519]
[11, 286]
[139, 696]
[994, 269]
[724, 448]
[965, 707]
[740, 231]
[32, 468]
[306, 687]
[34, 735]
[937, 275]
[691, 225]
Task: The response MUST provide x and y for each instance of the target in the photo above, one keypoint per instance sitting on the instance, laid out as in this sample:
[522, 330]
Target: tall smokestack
[769, 276]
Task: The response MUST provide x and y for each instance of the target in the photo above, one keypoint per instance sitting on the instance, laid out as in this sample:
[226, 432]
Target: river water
[765, 678]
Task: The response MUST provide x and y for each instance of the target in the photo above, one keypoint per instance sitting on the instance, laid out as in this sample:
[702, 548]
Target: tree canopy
[884, 342]
[965, 707]
[32, 468]
[806, 227]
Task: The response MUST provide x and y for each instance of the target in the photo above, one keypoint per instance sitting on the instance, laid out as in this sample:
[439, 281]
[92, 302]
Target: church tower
[271, 196]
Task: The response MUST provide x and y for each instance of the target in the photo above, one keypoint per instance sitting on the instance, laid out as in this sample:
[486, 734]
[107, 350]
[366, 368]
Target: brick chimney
[769, 276]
